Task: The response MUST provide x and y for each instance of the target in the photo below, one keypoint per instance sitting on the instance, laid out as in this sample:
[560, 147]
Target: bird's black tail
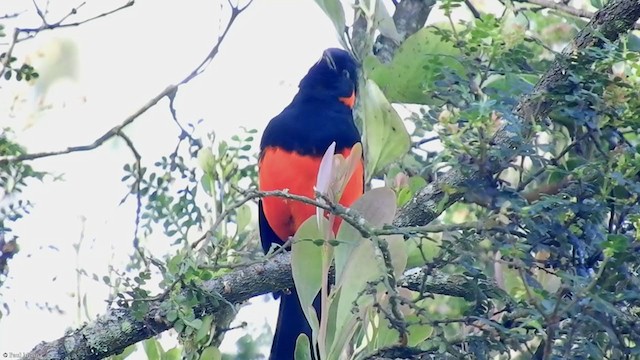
[291, 319]
[291, 323]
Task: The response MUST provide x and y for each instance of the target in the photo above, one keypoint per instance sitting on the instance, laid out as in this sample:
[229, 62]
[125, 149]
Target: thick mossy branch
[119, 328]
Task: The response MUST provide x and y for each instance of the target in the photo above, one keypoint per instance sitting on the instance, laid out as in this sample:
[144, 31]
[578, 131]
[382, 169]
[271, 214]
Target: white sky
[123, 61]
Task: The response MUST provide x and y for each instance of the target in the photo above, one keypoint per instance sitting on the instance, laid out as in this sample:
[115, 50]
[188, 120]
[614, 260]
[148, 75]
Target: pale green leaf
[378, 207]
[415, 66]
[398, 252]
[306, 266]
[384, 22]
[418, 333]
[340, 336]
[386, 138]
[243, 217]
[333, 9]
[303, 348]
[385, 335]
[206, 160]
[363, 267]
[421, 251]
[388, 336]
[204, 329]
[172, 354]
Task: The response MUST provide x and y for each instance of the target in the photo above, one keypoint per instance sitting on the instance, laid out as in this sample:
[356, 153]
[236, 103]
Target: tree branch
[99, 141]
[560, 7]
[169, 92]
[59, 24]
[119, 328]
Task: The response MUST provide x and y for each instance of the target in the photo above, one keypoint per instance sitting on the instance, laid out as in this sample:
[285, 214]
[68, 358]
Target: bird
[291, 149]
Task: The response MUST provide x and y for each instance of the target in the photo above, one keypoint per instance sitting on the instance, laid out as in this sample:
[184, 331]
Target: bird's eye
[346, 74]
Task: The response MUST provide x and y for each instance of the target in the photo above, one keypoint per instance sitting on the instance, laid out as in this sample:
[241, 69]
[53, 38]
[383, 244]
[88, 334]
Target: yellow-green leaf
[420, 251]
[172, 354]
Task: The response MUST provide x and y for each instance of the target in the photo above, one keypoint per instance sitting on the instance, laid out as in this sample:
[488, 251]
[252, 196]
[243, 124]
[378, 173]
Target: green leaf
[243, 217]
[174, 263]
[384, 22]
[153, 349]
[306, 266]
[172, 315]
[363, 267]
[125, 353]
[340, 337]
[356, 260]
[386, 138]
[333, 9]
[418, 333]
[204, 329]
[303, 348]
[421, 251]
[597, 4]
[416, 64]
[615, 244]
[386, 335]
[207, 184]
[211, 353]
[404, 195]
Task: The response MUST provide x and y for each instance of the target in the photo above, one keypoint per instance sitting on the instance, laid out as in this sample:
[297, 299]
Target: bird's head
[333, 75]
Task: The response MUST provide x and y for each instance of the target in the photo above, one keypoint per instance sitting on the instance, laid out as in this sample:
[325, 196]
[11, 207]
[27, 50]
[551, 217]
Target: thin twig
[553, 162]
[168, 92]
[6, 61]
[550, 4]
[235, 11]
[472, 8]
[96, 143]
[30, 32]
[11, 16]
[136, 154]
